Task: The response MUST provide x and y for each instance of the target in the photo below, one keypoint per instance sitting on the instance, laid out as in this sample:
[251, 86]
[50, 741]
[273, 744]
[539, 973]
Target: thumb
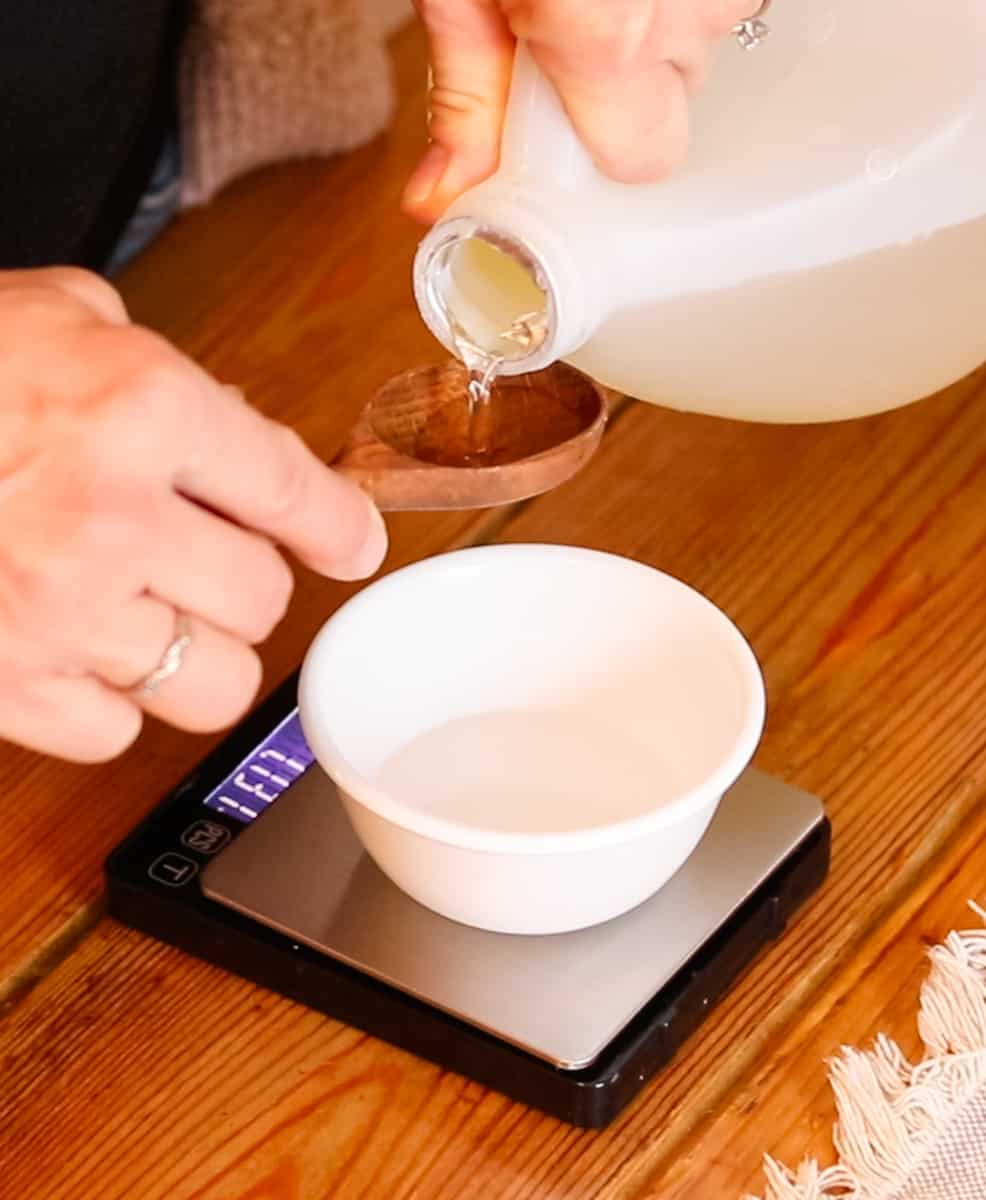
[471, 51]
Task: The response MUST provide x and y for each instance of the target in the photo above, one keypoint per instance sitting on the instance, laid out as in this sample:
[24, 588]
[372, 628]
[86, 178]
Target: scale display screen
[266, 772]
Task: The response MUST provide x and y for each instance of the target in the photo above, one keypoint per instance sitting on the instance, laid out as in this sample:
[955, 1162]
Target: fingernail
[422, 184]
[374, 548]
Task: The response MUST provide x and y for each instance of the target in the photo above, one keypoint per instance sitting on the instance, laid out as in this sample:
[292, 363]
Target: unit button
[172, 869]
[205, 836]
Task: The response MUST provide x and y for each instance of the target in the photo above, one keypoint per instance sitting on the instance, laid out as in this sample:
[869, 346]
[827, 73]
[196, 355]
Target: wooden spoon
[418, 445]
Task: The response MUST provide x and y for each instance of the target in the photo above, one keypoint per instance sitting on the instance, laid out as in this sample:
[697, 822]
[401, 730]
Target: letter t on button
[172, 869]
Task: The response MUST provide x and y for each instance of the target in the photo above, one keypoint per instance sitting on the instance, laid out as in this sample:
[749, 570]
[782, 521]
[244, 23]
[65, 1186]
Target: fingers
[232, 578]
[471, 50]
[87, 719]
[214, 686]
[88, 288]
[128, 645]
[624, 77]
[92, 290]
[73, 717]
[635, 125]
[135, 486]
[623, 69]
[170, 420]
[425, 195]
[263, 476]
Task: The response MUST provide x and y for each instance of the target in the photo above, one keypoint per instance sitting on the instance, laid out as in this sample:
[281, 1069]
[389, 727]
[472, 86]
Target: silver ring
[171, 660]
[752, 31]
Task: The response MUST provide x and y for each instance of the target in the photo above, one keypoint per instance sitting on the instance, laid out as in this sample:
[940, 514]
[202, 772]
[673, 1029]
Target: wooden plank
[294, 285]
[850, 556]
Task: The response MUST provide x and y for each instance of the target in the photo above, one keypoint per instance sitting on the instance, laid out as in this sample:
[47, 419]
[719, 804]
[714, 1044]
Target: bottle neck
[539, 141]
[506, 271]
[493, 280]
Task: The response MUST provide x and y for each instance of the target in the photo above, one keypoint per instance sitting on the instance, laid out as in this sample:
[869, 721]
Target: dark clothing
[87, 93]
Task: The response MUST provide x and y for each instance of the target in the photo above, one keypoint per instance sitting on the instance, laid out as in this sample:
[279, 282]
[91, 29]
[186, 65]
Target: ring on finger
[753, 30]
[171, 661]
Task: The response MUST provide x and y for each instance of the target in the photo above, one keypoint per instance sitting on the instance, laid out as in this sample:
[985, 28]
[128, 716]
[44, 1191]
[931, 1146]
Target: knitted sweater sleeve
[262, 81]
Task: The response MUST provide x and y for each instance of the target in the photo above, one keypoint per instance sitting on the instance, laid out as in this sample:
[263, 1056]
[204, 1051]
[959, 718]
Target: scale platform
[251, 864]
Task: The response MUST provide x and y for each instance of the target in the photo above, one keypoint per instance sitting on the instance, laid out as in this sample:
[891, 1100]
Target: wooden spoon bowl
[419, 444]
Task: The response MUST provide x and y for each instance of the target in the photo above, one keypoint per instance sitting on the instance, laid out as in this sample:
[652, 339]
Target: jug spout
[504, 286]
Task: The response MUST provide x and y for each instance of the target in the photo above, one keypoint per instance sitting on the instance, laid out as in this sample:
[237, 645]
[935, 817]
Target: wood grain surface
[783, 1106]
[850, 555]
[884, 578]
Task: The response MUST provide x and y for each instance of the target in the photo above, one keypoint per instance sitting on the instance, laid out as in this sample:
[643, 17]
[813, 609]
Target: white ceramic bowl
[649, 700]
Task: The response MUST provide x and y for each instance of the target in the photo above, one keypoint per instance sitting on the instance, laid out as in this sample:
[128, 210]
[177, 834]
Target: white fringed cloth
[912, 1131]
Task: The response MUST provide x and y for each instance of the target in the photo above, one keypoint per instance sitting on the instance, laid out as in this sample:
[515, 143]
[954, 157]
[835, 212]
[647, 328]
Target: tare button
[205, 836]
[174, 870]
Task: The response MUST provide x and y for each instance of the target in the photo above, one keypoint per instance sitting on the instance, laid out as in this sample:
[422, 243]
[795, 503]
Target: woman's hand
[624, 70]
[133, 487]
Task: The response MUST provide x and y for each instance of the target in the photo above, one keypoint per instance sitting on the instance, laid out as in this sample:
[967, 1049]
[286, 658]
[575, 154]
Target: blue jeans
[157, 206]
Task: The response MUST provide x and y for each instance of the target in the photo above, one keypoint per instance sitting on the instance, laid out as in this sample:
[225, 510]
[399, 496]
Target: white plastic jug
[822, 255]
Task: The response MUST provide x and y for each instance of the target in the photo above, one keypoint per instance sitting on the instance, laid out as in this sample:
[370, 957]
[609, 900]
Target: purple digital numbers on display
[266, 772]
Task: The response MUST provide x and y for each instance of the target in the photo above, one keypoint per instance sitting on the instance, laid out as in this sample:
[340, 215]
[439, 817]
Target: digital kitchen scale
[251, 864]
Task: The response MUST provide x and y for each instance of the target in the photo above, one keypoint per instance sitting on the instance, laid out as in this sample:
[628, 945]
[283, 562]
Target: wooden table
[853, 557]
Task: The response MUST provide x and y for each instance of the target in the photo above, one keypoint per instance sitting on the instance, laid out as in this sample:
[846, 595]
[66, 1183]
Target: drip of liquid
[482, 374]
[526, 332]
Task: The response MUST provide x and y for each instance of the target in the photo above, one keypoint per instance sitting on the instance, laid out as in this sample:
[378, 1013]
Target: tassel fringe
[891, 1112]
